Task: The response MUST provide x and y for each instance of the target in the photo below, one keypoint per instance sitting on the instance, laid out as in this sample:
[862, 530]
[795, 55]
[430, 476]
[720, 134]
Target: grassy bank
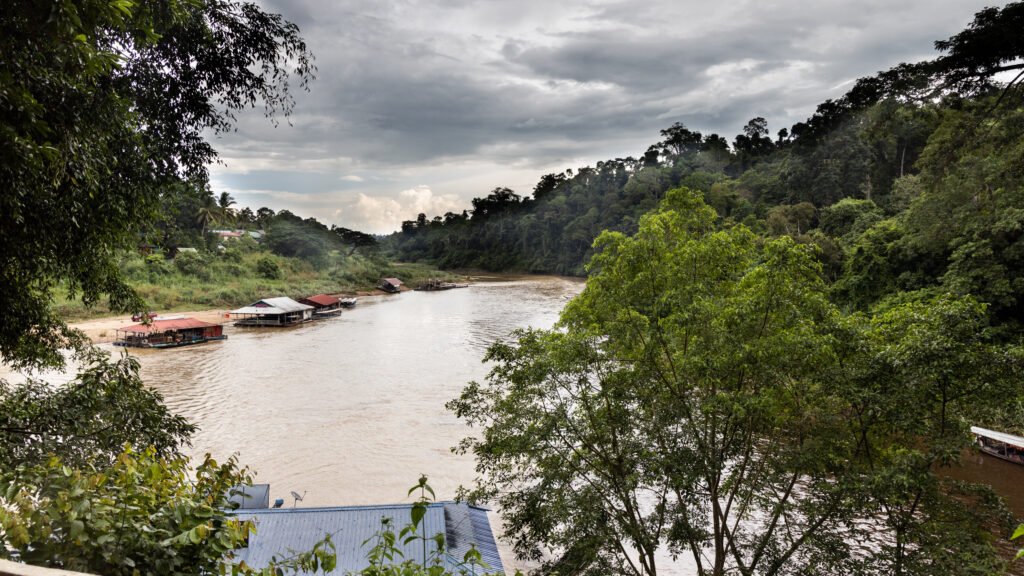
[237, 277]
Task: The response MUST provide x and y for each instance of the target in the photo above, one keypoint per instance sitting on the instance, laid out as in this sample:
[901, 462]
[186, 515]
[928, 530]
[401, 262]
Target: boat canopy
[999, 436]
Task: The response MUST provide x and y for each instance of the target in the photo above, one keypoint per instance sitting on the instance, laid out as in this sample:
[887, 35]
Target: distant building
[280, 530]
[390, 284]
[280, 311]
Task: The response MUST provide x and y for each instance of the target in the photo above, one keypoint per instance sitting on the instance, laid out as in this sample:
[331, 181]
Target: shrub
[267, 268]
[191, 264]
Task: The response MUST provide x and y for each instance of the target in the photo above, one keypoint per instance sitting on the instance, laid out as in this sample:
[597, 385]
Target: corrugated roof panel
[278, 530]
[164, 325]
[278, 305]
[322, 300]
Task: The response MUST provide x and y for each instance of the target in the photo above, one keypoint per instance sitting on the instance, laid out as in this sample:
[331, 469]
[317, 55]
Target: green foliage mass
[912, 181]
[89, 420]
[703, 394]
[139, 514]
[104, 105]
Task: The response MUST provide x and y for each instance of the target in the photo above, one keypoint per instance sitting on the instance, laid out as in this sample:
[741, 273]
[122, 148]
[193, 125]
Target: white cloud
[383, 214]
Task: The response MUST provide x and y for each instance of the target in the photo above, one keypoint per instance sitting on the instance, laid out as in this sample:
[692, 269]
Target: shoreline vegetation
[222, 283]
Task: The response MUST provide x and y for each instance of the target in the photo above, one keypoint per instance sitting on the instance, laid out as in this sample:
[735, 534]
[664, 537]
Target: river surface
[351, 410]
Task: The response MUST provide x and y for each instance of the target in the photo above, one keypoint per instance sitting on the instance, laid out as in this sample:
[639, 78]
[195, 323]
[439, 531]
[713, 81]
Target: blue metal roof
[279, 530]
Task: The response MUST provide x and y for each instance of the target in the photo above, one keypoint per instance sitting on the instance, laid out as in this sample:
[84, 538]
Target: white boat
[999, 444]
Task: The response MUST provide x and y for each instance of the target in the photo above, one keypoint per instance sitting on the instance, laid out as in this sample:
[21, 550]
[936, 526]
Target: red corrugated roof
[321, 300]
[164, 325]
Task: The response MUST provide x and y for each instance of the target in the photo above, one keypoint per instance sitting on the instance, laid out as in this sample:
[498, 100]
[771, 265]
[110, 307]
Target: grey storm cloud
[424, 104]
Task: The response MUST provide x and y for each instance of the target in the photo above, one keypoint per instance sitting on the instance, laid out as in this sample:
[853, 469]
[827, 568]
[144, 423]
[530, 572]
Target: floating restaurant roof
[322, 300]
[165, 325]
[393, 281]
[282, 529]
[279, 305]
[998, 436]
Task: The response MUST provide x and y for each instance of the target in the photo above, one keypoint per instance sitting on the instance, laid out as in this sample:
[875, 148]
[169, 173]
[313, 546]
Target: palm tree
[209, 212]
[225, 203]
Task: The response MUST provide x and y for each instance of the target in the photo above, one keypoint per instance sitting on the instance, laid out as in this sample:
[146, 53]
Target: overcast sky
[420, 106]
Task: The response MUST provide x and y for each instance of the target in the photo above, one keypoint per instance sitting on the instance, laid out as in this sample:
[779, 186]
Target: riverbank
[103, 329]
[224, 283]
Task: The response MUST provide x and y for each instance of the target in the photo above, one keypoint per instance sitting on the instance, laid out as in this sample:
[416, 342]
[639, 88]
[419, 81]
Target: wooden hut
[390, 285]
[169, 333]
[323, 305]
[280, 311]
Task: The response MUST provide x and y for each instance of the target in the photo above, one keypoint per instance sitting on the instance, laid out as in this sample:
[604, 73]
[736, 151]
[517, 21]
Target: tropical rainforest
[912, 181]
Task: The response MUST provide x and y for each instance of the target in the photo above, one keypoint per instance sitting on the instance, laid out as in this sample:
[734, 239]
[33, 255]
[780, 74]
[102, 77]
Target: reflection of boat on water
[999, 444]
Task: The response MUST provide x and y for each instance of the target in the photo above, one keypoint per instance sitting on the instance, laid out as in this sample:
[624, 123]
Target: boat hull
[160, 345]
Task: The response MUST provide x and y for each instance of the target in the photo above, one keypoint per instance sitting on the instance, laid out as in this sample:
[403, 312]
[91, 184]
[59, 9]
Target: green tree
[225, 202]
[679, 404]
[140, 514]
[104, 103]
[88, 421]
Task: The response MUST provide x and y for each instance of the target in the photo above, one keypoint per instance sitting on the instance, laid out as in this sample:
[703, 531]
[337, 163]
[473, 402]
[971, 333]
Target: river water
[351, 410]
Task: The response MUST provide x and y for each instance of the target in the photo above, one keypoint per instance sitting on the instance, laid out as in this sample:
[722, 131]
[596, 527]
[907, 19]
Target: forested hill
[914, 180]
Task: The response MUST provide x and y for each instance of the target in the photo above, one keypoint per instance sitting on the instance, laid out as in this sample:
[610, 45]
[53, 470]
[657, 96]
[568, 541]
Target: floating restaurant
[168, 333]
[280, 311]
[323, 305]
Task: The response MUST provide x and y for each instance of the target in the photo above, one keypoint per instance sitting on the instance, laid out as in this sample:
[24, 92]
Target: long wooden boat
[169, 333]
[434, 285]
[999, 444]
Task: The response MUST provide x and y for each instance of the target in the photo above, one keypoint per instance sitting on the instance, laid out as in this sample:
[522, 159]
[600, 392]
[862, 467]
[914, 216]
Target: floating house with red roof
[168, 333]
[323, 305]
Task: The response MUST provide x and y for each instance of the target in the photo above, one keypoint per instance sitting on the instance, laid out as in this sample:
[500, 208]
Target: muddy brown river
[351, 410]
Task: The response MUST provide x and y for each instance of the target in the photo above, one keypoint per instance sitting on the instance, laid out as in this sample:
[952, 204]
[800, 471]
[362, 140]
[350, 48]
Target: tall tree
[679, 404]
[101, 105]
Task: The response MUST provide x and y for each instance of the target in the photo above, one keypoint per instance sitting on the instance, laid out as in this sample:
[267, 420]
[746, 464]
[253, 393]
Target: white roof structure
[279, 305]
[999, 436]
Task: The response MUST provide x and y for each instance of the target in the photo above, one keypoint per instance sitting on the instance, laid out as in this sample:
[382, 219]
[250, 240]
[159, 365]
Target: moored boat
[434, 285]
[999, 444]
[279, 311]
[390, 285]
[324, 305]
[169, 333]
